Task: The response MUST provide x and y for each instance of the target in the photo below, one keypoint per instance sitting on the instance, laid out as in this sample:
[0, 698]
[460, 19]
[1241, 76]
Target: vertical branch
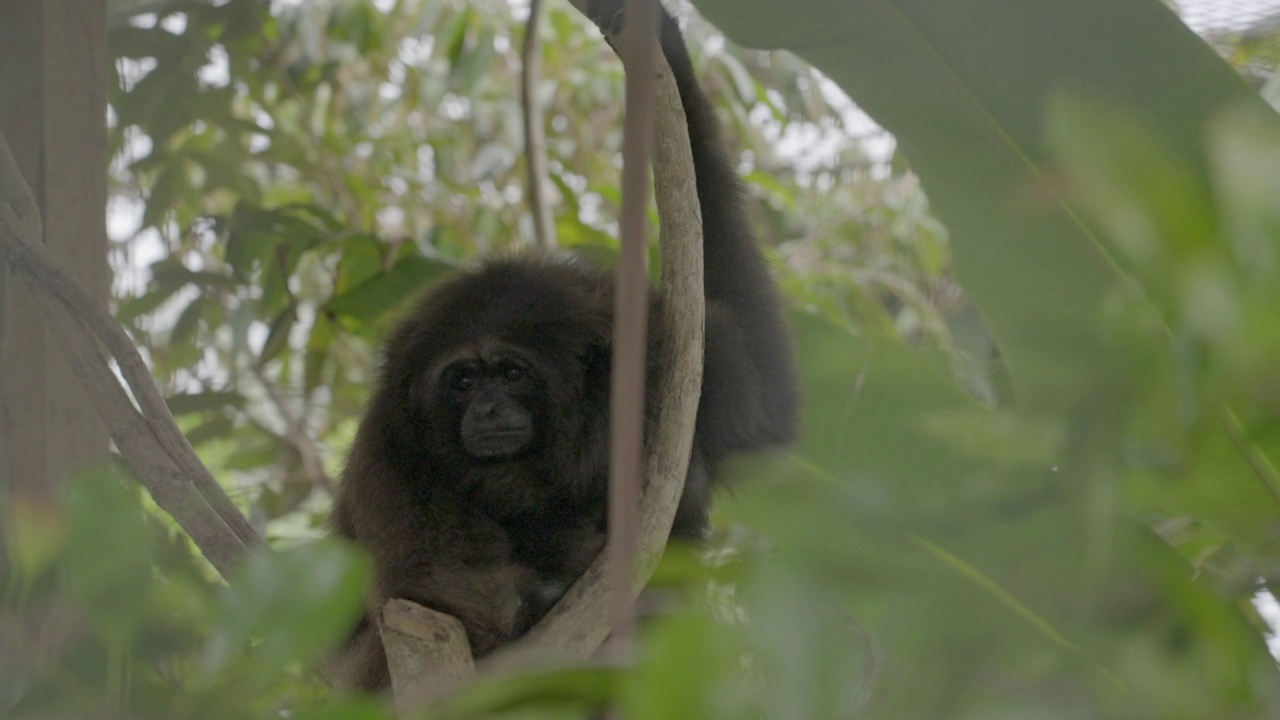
[626, 402]
[535, 134]
[578, 623]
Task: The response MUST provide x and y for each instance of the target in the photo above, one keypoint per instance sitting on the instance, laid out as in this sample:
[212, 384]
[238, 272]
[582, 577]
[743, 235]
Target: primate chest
[551, 525]
[518, 492]
[559, 538]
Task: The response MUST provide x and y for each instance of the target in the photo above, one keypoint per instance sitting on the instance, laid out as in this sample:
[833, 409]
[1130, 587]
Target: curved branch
[579, 623]
[576, 626]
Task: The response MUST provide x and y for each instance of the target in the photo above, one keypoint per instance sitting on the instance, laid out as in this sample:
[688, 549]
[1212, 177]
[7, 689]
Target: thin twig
[631, 317]
[296, 434]
[535, 134]
[576, 626]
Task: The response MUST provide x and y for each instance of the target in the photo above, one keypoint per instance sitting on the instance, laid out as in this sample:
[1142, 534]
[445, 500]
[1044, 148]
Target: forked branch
[147, 436]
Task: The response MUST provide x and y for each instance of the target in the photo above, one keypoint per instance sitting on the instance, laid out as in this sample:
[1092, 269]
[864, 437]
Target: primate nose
[486, 406]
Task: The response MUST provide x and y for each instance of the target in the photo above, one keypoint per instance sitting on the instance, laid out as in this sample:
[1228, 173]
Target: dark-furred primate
[478, 476]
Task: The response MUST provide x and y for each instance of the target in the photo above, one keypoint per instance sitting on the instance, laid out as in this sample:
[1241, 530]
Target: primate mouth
[498, 443]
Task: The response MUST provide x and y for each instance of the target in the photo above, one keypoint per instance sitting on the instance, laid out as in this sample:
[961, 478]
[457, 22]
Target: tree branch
[535, 134]
[427, 652]
[579, 622]
[577, 625]
[637, 46]
[150, 440]
[296, 435]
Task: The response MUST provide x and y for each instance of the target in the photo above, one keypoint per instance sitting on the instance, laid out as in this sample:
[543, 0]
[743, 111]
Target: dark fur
[495, 543]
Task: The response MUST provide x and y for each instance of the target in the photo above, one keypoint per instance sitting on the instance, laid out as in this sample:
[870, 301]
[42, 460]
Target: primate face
[492, 399]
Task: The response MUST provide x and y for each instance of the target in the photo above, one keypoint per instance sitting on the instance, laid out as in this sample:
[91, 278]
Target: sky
[1210, 15]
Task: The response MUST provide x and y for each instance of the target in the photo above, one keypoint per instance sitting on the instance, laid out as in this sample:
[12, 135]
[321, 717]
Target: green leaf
[1244, 157]
[362, 708]
[131, 309]
[285, 608]
[34, 533]
[133, 42]
[112, 586]
[253, 454]
[186, 403]
[685, 672]
[317, 352]
[964, 88]
[742, 80]
[816, 661]
[172, 270]
[248, 249]
[184, 329]
[385, 293]
[160, 200]
[569, 692]
[219, 427]
[1147, 195]
[453, 36]
[278, 334]
[474, 60]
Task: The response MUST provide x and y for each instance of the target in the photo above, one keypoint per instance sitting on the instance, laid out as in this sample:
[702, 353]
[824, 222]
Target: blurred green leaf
[385, 293]
[1144, 191]
[318, 344]
[110, 586]
[213, 429]
[286, 607]
[973, 129]
[184, 329]
[567, 691]
[278, 334]
[34, 533]
[347, 709]
[816, 662]
[692, 661]
[962, 531]
[132, 308]
[186, 403]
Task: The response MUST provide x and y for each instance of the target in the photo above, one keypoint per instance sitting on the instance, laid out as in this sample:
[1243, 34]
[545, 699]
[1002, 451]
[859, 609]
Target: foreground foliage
[1062, 506]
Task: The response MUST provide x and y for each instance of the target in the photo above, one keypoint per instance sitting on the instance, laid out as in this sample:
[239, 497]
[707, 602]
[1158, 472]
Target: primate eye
[513, 374]
[464, 380]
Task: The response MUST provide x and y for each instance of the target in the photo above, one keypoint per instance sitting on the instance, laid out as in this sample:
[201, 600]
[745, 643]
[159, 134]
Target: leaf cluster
[1053, 495]
[285, 180]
